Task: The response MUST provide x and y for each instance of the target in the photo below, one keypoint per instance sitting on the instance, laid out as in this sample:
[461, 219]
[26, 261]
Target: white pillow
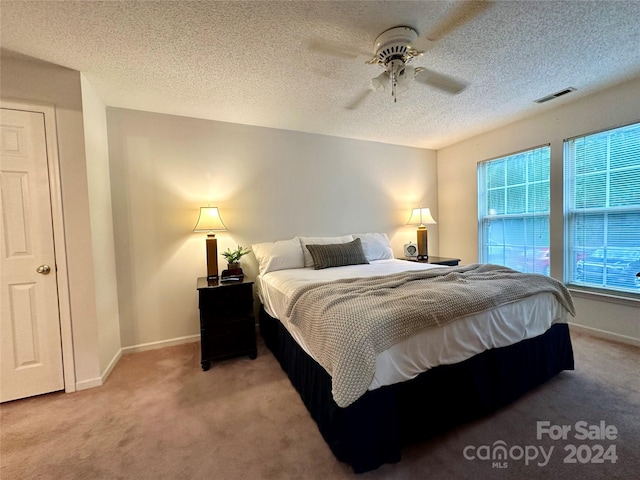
[376, 246]
[304, 241]
[278, 255]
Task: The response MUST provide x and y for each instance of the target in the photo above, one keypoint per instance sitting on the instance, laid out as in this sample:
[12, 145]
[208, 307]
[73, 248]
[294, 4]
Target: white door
[30, 341]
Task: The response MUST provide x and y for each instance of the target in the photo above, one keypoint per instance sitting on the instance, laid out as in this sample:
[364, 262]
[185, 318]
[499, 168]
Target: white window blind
[513, 211]
[602, 205]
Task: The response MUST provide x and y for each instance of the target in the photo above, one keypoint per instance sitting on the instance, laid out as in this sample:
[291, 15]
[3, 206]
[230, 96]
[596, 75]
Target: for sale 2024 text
[591, 450]
[580, 431]
[583, 453]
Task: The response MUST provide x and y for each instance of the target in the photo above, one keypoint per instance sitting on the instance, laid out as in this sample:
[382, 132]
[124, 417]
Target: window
[602, 206]
[513, 211]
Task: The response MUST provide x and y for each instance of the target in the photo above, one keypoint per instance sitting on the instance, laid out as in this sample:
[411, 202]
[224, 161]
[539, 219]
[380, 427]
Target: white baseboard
[112, 364]
[604, 334]
[98, 382]
[160, 344]
[87, 384]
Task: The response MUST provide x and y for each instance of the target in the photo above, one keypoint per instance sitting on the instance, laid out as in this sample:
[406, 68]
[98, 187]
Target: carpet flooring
[159, 416]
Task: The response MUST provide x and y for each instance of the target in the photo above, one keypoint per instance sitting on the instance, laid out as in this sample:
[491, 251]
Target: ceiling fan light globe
[379, 82]
[408, 72]
[405, 79]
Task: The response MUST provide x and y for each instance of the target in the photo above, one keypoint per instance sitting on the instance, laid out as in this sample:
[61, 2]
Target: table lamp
[210, 221]
[421, 216]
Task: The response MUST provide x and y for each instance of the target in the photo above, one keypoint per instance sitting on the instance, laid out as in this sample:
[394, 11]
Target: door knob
[43, 269]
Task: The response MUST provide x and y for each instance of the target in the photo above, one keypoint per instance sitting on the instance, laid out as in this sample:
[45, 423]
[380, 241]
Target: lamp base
[423, 252]
[212, 257]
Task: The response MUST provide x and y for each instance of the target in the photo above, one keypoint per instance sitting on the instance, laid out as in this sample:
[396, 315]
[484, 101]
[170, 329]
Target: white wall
[39, 82]
[101, 218]
[269, 184]
[457, 189]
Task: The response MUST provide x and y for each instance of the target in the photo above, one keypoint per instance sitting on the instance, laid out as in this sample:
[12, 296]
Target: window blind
[602, 209]
[513, 210]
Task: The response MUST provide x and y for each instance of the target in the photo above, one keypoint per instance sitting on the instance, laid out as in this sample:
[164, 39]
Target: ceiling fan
[395, 49]
[394, 52]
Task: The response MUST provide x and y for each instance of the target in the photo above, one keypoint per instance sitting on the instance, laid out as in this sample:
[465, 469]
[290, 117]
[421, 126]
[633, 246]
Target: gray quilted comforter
[346, 323]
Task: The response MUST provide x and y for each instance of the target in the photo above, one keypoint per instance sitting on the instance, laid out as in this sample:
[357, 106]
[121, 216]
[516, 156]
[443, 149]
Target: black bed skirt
[371, 431]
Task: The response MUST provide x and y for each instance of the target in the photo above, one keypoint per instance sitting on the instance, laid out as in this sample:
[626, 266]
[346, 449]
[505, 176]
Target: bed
[429, 380]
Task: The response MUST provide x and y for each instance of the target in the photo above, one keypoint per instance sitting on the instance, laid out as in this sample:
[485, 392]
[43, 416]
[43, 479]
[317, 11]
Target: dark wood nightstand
[450, 262]
[227, 325]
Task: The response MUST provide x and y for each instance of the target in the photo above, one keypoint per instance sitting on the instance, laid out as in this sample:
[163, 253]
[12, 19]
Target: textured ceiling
[258, 62]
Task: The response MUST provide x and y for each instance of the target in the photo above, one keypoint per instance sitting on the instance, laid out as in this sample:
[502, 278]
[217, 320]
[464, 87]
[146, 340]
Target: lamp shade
[209, 220]
[421, 216]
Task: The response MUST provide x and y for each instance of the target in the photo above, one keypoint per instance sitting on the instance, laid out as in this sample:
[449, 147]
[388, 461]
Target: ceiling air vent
[555, 95]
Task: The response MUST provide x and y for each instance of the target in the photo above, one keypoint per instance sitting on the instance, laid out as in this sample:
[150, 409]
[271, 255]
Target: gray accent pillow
[337, 254]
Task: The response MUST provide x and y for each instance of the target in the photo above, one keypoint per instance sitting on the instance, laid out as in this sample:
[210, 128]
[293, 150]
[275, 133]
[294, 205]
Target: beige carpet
[160, 416]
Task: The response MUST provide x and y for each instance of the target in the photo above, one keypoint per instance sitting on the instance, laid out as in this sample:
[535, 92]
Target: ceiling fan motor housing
[393, 44]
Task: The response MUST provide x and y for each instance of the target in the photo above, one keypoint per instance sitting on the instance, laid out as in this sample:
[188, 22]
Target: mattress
[451, 343]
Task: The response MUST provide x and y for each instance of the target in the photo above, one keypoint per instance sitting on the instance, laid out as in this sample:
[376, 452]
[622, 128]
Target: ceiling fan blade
[439, 81]
[335, 49]
[458, 16]
[359, 100]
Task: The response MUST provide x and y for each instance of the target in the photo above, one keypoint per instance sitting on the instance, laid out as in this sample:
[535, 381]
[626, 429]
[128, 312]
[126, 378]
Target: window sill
[621, 298]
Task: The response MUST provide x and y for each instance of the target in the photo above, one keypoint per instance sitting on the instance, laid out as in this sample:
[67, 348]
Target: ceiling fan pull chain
[393, 86]
[394, 74]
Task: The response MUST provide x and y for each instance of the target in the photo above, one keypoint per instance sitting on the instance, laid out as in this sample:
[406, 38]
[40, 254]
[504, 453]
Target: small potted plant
[233, 257]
